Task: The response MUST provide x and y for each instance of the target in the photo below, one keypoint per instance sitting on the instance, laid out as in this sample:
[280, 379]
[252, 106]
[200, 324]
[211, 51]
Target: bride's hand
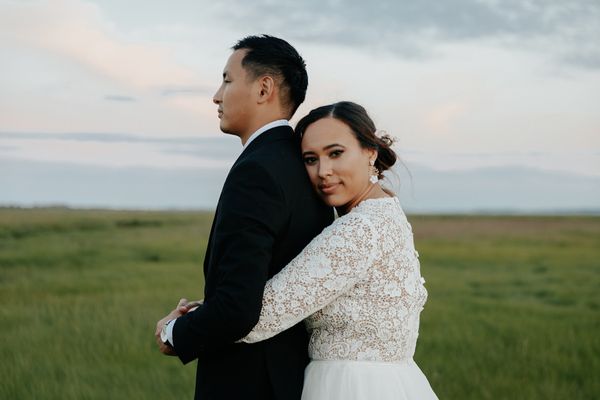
[191, 306]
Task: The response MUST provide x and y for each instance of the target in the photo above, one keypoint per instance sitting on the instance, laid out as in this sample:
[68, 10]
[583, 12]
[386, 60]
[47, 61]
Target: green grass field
[513, 309]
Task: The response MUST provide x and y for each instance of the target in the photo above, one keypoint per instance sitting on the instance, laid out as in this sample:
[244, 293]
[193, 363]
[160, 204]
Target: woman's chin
[332, 201]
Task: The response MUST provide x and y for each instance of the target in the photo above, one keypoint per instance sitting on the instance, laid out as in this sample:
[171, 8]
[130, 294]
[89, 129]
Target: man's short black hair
[269, 55]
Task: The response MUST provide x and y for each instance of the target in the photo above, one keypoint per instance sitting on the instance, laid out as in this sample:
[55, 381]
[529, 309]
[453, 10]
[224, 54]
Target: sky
[120, 90]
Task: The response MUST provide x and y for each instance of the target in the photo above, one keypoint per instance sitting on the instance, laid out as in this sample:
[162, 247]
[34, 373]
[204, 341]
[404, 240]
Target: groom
[267, 213]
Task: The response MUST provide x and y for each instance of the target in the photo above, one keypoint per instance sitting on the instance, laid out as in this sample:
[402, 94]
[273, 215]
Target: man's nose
[217, 96]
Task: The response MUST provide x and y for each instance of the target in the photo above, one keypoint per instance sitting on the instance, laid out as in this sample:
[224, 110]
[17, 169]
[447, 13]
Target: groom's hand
[180, 310]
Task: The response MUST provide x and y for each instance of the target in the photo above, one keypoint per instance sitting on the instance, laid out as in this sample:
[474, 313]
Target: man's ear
[266, 88]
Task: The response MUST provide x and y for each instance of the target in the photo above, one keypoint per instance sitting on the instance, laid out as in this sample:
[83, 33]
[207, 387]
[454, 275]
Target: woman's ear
[372, 155]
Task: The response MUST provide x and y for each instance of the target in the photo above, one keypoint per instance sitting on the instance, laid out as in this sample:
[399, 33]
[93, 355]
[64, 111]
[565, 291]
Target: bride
[357, 285]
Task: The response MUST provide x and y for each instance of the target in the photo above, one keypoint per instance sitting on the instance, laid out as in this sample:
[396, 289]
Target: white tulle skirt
[354, 380]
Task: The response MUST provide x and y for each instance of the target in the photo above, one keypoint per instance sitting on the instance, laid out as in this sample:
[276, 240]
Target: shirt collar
[264, 128]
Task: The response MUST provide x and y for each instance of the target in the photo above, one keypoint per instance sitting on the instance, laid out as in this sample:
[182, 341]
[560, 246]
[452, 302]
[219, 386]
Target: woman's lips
[329, 188]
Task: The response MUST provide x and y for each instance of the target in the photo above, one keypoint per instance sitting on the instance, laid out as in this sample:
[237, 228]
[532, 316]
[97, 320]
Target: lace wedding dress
[359, 288]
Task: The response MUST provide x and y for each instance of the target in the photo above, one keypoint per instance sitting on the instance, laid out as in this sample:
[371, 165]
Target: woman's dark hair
[271, 55]
[359, 122]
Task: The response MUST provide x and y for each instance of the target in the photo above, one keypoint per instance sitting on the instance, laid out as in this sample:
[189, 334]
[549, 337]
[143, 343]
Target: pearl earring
[374, 178]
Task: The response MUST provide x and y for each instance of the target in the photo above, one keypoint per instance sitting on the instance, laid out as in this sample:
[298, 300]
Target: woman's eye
[336, 153]
[309, 160]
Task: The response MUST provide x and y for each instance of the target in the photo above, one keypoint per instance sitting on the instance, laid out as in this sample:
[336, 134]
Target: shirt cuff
[170, 326]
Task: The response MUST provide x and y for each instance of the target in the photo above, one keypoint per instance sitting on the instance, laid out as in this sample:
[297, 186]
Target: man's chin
[225, 129]
[228, 130]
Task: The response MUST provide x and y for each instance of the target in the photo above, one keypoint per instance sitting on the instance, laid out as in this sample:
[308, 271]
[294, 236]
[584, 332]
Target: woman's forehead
[325, 132]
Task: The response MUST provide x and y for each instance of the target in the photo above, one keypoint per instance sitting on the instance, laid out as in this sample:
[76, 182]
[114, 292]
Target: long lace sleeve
[331, 264]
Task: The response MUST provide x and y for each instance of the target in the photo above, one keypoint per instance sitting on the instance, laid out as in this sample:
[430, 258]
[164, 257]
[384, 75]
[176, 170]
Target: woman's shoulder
[385, 214]
[379, 208]
[368, 216]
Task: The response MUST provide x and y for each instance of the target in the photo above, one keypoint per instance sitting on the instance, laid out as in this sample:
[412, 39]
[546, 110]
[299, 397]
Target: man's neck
[264, 128]
[257, 126]
[261, 117]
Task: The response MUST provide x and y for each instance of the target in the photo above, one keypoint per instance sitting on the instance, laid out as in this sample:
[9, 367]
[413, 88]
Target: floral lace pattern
[357, 285]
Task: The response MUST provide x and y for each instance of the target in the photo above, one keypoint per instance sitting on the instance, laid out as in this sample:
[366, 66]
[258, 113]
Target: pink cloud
[78, 30]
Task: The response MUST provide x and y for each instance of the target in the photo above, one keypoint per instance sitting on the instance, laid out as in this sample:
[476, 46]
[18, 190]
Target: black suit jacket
[267, 213]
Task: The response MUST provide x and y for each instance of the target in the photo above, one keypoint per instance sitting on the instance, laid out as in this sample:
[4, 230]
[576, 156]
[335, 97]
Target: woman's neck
[372, 191]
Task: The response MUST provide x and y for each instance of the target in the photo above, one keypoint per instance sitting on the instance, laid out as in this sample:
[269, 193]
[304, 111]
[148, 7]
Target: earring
[374, 178]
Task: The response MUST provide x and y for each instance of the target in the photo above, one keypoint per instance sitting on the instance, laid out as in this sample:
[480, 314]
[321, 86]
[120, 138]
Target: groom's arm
[253, 213]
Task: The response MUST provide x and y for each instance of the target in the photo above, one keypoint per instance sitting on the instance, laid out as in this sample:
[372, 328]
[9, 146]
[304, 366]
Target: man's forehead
[236, 57]
[234, 62]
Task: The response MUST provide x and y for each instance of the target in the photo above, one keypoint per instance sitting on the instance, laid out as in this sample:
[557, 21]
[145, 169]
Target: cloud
[4, 148]
[79, 31]
[116, 149]
[104, 137]
[78, 136]
[568, 31]
[119, 98]
[224, 145]
[442, 117]
[188, 90]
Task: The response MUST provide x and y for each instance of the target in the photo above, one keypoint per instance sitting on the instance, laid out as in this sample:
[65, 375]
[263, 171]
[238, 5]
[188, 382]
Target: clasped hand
[183, 307]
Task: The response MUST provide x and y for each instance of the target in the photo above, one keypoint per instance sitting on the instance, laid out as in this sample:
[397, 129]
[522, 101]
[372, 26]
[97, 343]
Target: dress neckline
[376, 201]
[365, 203]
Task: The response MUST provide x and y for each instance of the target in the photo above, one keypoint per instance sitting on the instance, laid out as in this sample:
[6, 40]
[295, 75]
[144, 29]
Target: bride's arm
[332, 263]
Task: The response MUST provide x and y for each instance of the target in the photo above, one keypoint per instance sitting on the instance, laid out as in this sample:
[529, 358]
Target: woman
[357, 285]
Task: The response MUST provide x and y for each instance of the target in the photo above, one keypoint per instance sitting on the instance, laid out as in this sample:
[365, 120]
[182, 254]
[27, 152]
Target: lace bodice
[357, 285]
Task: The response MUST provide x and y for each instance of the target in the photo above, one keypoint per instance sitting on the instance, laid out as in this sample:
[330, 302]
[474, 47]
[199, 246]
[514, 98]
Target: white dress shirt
[279, 122]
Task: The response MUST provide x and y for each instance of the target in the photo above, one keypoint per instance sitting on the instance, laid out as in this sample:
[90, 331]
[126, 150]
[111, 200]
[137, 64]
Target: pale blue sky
[461, 84]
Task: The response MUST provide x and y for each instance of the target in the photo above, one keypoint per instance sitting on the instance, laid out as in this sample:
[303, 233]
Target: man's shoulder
[274, 150]
[276, 136]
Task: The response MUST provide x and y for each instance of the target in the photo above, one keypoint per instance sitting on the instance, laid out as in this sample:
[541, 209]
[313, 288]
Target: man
[267, 213]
